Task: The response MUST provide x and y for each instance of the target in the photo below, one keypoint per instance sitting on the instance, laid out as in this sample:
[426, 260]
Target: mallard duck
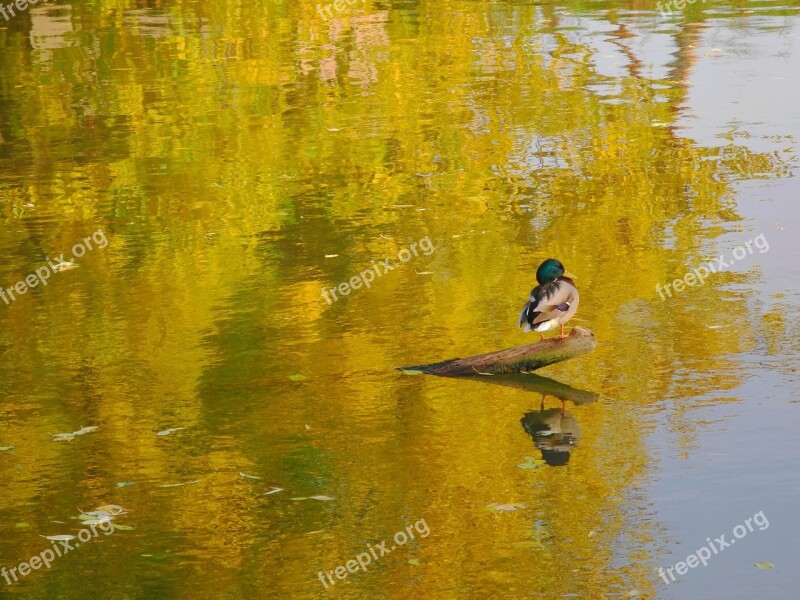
[553, 302]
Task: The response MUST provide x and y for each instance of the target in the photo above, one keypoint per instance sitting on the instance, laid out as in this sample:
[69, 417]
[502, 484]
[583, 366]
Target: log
[515, 360]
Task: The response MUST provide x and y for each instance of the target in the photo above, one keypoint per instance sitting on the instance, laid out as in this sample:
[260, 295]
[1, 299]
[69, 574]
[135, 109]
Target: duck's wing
[550, 301]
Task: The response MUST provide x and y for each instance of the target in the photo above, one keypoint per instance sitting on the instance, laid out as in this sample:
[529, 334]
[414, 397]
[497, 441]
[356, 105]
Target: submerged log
[515, 360]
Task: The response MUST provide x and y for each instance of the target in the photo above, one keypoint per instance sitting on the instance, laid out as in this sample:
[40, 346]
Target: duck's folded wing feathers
[523, 317]
[554, 300]
[529, 308]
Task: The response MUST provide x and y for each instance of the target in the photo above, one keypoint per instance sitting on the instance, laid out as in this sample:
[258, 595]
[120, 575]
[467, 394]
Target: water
[239, 159]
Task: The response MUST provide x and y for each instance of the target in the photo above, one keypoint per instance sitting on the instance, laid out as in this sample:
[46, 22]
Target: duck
[553, 302]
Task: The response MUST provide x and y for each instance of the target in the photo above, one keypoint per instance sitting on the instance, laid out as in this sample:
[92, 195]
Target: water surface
[240, 158]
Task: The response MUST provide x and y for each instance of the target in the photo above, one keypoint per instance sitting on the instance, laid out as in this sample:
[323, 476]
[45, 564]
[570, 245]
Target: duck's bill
[570, 275]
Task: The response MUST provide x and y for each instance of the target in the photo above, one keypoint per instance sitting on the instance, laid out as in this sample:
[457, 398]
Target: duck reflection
[555, 433]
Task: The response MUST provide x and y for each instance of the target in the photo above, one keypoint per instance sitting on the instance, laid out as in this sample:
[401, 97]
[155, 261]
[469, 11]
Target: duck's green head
[550, 270]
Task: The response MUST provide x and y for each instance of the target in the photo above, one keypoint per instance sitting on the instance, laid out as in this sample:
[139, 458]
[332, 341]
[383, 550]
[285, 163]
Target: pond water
[206, 173]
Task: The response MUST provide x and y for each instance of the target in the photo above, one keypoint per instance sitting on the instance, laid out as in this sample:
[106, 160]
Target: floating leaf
[84, 430]
[414, 561]
[764, 565]
[274, 490]
[66, 437]
[412, 372]
[531, 463]
[308, 427]
[248, 476]
[59, 538]
[299, 498]
[157, 557]
[323, 498]
[114, 509]
[592, 533]
[66, 265]
[170, 430]
[505, 507]
[331, 255]
[122, 484]
[95, 515]
[173, 485]
[298, 377]
[6, 448]
[317, 531]
[107, 519]
[123, 527]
